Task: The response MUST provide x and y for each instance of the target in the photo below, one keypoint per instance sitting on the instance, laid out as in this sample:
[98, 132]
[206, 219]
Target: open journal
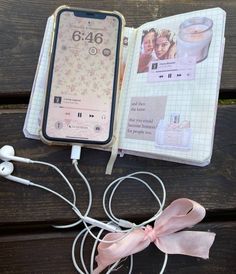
[171, 70]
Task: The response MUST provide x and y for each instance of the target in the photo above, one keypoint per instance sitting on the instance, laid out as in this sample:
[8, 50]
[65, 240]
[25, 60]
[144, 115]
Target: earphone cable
[63, 176]
[71, 188]
[115, 184]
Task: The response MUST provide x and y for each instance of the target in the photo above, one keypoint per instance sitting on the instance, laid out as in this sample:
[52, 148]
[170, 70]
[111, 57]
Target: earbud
[6, 169]
[7, 153]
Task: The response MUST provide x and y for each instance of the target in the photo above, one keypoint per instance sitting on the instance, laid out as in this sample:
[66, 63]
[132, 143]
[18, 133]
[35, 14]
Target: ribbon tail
[191, 243]
[120, 247]
[99, 269]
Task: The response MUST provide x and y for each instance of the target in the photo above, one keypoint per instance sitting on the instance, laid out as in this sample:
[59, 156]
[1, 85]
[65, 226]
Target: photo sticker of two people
[192, 41]
[156, 45]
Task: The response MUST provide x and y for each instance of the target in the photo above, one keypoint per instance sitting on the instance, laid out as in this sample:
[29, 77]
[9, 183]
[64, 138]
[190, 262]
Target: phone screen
[82, 82]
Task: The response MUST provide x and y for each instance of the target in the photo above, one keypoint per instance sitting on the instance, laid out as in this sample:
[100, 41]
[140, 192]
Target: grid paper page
[195, 101]
[35, 108]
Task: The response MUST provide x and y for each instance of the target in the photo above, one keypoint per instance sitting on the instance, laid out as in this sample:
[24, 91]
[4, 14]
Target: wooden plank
[51, 253]
[213, 186]
[22, 26]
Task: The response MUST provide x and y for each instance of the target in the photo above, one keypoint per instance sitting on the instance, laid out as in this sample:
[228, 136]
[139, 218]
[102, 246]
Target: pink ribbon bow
[180, 214]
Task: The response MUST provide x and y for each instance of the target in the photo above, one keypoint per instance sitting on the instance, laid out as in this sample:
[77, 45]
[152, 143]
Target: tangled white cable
[127, 225]
[133, 176]
[115, 224]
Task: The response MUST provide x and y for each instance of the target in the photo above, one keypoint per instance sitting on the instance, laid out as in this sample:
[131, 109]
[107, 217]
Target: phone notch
[86, 14]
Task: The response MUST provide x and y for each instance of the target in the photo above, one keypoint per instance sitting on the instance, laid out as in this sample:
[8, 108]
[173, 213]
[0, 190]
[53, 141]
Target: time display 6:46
[90, 37]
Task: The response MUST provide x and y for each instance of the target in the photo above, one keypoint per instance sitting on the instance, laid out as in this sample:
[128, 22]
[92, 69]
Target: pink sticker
[172, 70]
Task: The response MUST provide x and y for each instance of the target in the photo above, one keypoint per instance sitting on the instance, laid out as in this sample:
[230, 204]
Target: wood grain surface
[28, 242]
[207, 185]
[51, 253]
[22, 26]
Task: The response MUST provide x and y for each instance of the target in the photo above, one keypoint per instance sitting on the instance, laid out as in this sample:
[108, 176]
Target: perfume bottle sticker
[144, 116]
[173, 135]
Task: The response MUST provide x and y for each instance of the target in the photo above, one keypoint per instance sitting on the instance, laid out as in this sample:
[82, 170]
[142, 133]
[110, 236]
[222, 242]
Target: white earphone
[6, 169]
[7, 153]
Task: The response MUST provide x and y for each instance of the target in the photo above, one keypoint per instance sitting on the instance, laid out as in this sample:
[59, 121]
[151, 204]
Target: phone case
[114, 135]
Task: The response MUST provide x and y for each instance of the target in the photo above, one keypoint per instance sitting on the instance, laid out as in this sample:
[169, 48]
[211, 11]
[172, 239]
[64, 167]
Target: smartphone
[83, 77]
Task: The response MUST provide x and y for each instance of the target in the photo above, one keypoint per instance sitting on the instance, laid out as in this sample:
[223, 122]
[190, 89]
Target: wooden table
[28, 243]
